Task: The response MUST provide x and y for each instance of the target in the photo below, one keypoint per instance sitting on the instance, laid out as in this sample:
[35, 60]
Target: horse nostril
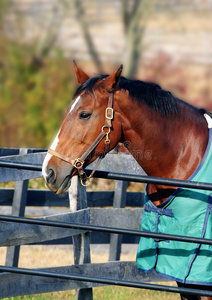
[51, 178]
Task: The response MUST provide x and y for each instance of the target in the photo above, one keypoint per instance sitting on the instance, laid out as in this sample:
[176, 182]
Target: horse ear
[111, 81]
[81, 75]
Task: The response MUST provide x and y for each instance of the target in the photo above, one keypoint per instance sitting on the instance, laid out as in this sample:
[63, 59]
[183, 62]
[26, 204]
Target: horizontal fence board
[7, 174]
[102, 199]
[15, 285]
[120, 162]
[36, 211]
[126, 218]
[96, 238]
[50, 199]
[9, 151]
[36, 198]
[15, 151]
[104, 238]
[12, 234]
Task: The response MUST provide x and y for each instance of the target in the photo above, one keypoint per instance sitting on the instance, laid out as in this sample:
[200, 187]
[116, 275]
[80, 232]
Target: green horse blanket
[187, 212]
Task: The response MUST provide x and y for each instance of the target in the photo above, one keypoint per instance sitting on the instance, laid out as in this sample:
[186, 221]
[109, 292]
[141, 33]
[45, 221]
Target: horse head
[90, 129]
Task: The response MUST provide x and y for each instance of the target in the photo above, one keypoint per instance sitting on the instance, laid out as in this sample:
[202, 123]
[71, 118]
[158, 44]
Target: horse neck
[170, 146]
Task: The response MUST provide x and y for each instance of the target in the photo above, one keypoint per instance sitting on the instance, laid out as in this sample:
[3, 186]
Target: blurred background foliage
[34, 92]
[33, 97]
[168, 42]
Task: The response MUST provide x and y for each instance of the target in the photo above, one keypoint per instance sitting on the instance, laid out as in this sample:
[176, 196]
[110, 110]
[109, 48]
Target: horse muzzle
[58, 180]
[57, 188]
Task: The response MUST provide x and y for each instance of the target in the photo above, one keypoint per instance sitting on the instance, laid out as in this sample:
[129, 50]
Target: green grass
[106, 293]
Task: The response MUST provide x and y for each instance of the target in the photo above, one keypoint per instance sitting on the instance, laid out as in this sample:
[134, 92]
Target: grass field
[51, 256]
[106, 293]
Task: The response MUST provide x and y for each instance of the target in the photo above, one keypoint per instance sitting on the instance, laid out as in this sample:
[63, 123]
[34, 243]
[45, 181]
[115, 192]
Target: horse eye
[84, 115]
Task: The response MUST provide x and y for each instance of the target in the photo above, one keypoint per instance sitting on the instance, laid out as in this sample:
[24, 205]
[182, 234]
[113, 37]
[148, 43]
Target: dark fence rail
[88, 227]
[110, 281]
[38, 198]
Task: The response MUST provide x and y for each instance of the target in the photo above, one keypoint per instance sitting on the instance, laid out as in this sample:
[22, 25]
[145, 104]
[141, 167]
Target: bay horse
[109, 109]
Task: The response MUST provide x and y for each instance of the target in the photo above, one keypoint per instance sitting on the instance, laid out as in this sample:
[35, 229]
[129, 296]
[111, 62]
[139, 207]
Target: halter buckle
[109, 113]
[78, 163]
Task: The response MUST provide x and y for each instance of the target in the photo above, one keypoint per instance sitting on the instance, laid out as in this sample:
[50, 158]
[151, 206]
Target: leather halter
[105, 131]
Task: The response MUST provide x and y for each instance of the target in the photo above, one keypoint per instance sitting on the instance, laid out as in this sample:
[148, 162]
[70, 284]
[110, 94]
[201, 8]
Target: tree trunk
[88, 39]
[135, 24]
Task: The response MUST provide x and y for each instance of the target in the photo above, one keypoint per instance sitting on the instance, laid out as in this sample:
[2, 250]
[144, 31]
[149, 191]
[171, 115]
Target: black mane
[163, 102]
[151, 93]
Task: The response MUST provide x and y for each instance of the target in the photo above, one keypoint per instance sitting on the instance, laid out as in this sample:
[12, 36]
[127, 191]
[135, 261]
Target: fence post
[119, 201]
[18, 209]
[81, 243]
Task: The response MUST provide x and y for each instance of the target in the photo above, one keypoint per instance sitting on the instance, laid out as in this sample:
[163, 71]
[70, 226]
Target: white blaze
[55, 143]
[74, 104]
[48, 156]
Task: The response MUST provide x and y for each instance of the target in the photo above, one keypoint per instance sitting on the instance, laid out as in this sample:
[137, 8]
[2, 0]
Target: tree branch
[135, 33]
[125, 13]
[91, 47]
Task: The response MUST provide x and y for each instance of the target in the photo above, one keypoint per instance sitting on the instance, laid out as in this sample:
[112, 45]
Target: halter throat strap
[105, 131]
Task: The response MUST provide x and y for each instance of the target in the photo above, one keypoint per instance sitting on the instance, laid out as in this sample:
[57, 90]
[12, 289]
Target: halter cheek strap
[105, 131]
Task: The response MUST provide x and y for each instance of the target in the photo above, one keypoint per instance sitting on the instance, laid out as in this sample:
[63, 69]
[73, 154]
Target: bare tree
[50, 30]
[19, 25]
[135, 15]
[88, 38]
[134, 20]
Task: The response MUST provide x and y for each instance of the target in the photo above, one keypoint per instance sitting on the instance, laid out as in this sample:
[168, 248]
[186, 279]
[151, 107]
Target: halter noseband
[105, 131]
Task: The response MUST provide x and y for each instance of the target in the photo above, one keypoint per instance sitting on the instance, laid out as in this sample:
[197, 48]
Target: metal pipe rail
[110, 281]
[154, 180]
[88, 227]
[119, 176]
[19, 165]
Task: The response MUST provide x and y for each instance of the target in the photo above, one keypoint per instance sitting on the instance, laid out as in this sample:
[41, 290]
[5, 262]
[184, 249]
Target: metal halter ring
[86, 181]
[107, 141]
[105, 126]
[78, 163]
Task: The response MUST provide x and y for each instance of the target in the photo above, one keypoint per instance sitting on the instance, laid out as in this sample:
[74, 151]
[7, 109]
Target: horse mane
[163, 102]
